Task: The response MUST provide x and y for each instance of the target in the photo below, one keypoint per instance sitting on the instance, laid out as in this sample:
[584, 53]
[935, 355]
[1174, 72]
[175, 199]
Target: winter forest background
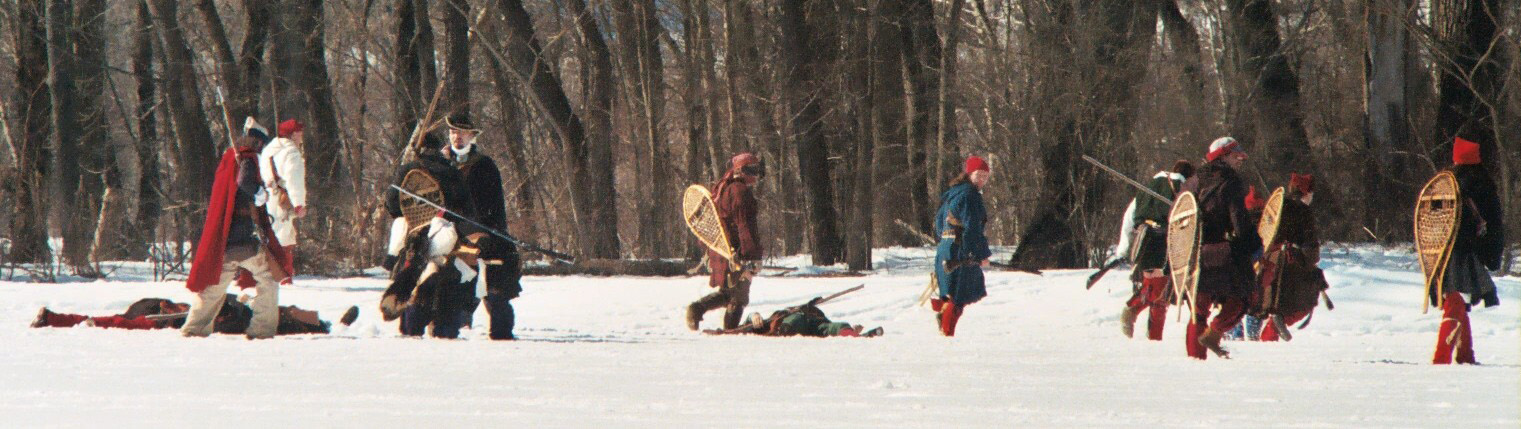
[600, 112]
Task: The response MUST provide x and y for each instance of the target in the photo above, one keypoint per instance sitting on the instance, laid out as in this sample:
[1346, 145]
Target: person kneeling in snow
[236, 240]
[434, 280]
[430, 285]
[159, 313]
[806, 320]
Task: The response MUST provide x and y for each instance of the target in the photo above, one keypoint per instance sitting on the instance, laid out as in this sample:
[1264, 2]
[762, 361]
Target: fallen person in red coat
[159, 313]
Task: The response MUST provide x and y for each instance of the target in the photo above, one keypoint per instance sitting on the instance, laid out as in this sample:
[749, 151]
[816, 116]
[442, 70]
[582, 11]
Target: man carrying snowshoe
[498, 259]
[734, 200]
[1478, 248]
[159, 313]
[428, 284]
[1149, 237]
[1289, 266]
[1228, 244]
[236, 238]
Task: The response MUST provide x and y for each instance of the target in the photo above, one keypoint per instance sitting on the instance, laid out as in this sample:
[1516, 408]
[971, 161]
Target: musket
[1127, 179]
[519, 243]
[953, 265]
[226, 118]
[1104, 270]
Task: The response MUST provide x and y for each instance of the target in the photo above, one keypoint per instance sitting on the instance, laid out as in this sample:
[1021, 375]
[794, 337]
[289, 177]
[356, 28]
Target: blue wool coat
[963, 203]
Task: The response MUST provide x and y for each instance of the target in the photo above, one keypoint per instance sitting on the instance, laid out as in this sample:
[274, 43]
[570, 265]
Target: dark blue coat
[963, 203]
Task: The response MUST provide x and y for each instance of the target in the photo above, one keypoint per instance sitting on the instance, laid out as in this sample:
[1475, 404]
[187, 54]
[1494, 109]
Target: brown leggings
[732, 296]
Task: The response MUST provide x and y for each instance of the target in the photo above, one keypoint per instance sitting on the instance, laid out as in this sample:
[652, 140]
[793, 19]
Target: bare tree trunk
[1470, 73]
[1275, 105]
[256, 27]
[804, 72]
[1110, 65]
[598, 111]
[426, 53]
[238, 73]
[231, 77]
[1387, 89]
[861, 217]
[68, 132]
[298, 58]
[195, 157]
[921, 56]
[456, 98]
[597, 236]
[512, 118]
[32, 103]
[648, 67]
[149, 144]
[406, 72]
[946, 154]
[105, 162]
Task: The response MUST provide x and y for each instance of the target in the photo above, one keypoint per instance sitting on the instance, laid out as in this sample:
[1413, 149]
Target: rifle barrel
[1127, 179]
[526, 246]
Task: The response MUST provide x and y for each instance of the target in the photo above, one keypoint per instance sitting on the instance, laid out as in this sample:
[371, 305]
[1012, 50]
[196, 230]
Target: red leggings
[1269, 333]
[1153, 294]
[1455, 338]
[1231, 311]
[950, 313]
[59, 320]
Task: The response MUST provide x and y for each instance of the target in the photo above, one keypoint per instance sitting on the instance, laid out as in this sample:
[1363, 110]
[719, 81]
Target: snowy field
[1040, 351]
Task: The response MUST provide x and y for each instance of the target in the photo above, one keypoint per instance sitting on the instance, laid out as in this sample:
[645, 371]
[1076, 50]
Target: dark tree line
[599, 112]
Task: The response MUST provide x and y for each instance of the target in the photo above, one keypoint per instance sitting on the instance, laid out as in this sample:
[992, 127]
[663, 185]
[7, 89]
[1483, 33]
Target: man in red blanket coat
[236, 238]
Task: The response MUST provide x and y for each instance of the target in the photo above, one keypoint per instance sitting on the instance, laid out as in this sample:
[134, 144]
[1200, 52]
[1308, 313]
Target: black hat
[461, 123]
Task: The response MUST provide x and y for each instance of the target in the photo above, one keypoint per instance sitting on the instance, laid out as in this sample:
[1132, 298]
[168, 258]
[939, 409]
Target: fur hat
[1222, 146]
[1464, 152]
[252, 128]
[1303, 183]
[431, 141]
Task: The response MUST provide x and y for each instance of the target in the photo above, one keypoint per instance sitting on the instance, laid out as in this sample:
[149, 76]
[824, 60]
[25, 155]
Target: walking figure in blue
[963, 249]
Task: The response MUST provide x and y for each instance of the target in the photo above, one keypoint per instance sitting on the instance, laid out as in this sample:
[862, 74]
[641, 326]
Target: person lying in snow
[806, 320]
[159, 313]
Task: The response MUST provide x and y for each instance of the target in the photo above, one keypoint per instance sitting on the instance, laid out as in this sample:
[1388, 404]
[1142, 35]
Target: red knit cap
[1464, 152]
[1303, 182]
[1254, 202]
[290, 127]
[975, 163]
[741, 160]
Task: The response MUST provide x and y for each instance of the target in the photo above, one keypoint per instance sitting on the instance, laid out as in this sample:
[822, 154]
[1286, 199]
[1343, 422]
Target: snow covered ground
[613, 352]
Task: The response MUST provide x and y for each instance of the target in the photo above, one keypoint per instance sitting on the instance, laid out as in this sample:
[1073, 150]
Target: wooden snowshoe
[1437, 216]
[701, 215]
[1183, 236]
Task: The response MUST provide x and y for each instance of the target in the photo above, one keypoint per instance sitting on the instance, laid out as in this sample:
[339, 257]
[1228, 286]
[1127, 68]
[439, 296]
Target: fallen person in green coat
[805, 320]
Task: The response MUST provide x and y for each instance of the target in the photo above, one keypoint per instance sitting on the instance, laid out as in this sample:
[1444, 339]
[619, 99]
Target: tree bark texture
[597, 237]
[1281, 143]
[803, 70]
[32, 103]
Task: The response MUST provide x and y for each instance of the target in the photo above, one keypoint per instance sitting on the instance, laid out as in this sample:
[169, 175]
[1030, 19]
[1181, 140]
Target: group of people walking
[1240, 276]
[443, 268]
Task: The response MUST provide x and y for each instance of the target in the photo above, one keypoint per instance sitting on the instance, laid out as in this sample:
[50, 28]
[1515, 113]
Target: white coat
[282, 166]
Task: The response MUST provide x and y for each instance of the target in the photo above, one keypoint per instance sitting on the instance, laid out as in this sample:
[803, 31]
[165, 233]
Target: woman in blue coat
[963, 248]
